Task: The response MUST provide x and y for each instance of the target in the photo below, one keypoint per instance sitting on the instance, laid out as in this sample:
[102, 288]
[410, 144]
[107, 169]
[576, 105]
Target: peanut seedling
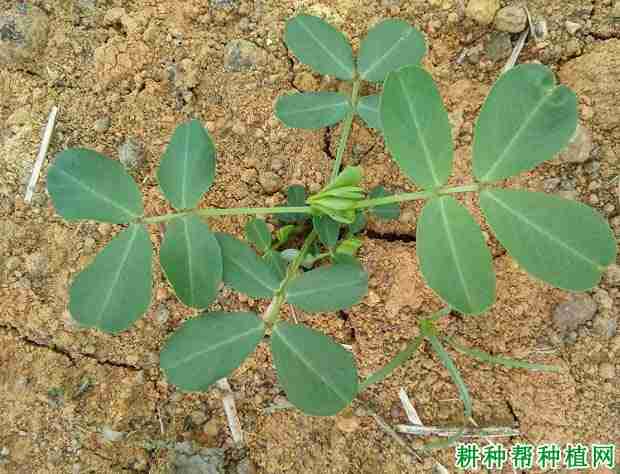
[525, 120]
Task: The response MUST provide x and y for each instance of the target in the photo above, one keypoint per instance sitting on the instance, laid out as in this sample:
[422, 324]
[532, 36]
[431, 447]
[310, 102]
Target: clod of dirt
[572, 27]
[23, 35]
[209, 461]
[224, 3]
[580, 147]
[571, 314]
[246, 466]
[482, 11]
[612, 275]
[607, 371]
[102, 125]
[131, 154]
[499, 47]
[242, 55]
[511, 19]
[270, 182]
[595, 75]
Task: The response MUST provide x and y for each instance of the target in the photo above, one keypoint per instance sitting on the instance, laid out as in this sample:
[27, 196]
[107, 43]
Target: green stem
[235, 211]
[273, 311]
[346, 130]
[468, 188]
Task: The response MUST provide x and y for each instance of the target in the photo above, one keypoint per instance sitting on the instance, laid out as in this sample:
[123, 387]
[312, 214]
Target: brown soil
[156, 63]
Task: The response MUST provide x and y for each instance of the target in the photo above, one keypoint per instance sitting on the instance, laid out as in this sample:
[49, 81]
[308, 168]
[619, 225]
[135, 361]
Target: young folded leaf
[187, 169]
[329, 288]
[368, 109]
[318, 375]
[84, 184]
[192, 261]
[526, 119]
[562, 242]
[209, 347]
[115, 289]
[320, 46]
[454, 258]
[277, 264]
[416, 127]
[244, 271]
[312, 110]
[389, 46]
[257, 232]
[358, 224]
[296, 197]
[386, 212]
[328, 230]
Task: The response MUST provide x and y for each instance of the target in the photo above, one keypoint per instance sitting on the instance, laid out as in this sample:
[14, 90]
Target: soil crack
[63, 351]
[390, 236]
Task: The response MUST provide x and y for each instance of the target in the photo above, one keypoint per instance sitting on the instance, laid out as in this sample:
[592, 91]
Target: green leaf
[295, 197]
[244, 271]
[393, 364]
[277, 264]
[257, 232]
[454, 258]
[329, 288]
[209, 347]
[386, 212]
[328, 230]
[368, 109]
[284, 233]
[115, 289]
[416, 127]
[350, 176]
[501, 360]
[321, 46]
[318, 375]
[192, 261]
[312, 110]
[187, 169]
[84, 184]
[358, 224]
[456, 377]
[562, 242]
[526, 119]
[389, 46]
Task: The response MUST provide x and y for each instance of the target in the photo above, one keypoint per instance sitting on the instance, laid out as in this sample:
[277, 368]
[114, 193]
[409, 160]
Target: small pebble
[131, 154]
[102, 125]
[612, 275]
[571, 314]
[511, 19]
[347, 424]
[572, 27]
[579, 148]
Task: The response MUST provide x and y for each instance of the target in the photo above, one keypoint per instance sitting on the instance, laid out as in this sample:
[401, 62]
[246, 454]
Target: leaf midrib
[190, 268]
[457, 262]
[502, 157]
[381, 59]
[216, 346]
[543, 232]
[317, 289]
[311, 367]
[103, 197]
[119, 270]
[426, 151]
[325, 48]
[246, 270]
[185, 166]
[334, 105]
